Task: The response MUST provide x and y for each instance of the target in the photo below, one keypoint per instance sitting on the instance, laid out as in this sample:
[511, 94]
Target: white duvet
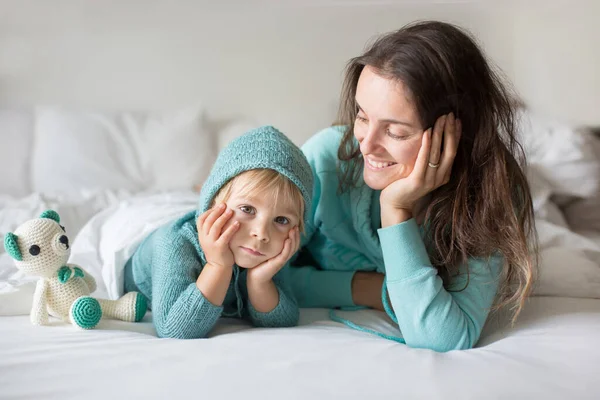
[108, 227]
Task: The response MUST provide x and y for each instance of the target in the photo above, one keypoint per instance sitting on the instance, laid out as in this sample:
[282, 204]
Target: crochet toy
[40, 247]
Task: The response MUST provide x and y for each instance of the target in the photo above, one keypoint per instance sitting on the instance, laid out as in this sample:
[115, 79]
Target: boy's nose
[260, 232]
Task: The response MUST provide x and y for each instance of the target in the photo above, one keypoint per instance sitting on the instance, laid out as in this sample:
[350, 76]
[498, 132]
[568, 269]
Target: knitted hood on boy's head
[264, 147]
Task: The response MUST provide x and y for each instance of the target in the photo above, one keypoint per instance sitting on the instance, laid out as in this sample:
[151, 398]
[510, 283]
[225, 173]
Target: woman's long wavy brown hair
[486, 207]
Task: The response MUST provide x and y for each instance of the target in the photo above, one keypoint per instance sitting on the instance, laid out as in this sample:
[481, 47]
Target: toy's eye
[63, 228]
[34, 250]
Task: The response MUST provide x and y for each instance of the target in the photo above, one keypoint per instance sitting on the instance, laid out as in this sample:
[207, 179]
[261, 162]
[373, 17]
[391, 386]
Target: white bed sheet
[552, 353]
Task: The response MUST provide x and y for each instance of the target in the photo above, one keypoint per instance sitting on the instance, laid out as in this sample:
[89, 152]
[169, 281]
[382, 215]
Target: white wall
[276, 62]
[556, 59]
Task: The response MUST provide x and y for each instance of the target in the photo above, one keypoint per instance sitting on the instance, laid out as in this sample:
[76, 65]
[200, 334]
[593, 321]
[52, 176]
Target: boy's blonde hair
[264, 182]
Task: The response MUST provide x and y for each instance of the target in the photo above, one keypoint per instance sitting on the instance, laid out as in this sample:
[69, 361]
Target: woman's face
[388, 129]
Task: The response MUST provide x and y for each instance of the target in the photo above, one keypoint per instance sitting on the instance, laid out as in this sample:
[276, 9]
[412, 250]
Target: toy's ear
[12, 246]
[51, 214]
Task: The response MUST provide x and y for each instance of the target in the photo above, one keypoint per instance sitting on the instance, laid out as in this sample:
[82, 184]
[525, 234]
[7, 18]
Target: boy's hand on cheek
[214, 241]
[265, 271]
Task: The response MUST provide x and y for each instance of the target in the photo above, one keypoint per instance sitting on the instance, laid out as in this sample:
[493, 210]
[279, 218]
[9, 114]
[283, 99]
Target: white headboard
[276, 62]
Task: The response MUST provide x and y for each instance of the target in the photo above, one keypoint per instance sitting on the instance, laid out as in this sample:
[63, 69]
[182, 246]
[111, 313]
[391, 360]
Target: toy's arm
[87, 278]
[39, 310]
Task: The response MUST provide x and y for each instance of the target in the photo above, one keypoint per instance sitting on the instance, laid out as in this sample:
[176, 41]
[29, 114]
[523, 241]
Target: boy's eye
[361, 118]
[282, 220]
[248, 209]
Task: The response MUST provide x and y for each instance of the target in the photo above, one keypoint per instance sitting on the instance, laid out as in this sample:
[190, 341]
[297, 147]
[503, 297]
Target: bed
[551, 353]
[116, 163]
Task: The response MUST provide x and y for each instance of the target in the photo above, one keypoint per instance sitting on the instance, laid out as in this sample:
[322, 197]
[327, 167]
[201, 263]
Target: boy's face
[264, 226]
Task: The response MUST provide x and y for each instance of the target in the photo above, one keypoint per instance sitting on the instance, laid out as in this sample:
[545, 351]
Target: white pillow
[541, 192]
[562, 154]
[16, 133]
[584, 214]
[135, 151]
[179, 149]
[569, 263]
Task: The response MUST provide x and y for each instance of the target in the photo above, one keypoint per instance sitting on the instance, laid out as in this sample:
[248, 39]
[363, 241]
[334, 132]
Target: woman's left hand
[432, 169]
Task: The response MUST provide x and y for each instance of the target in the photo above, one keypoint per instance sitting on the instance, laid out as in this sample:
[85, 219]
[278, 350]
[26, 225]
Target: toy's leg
[85, 312]
[131, 307]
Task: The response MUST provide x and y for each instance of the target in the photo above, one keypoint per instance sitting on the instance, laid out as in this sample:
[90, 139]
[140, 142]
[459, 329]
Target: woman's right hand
[366, 289]
[432, 169]
[213, 240]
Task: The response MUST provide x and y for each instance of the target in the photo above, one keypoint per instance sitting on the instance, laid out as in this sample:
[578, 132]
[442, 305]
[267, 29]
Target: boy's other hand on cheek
[262, 292]
[266, 270]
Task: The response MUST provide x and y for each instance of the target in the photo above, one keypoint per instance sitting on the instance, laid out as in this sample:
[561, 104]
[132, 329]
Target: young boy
[225, 259]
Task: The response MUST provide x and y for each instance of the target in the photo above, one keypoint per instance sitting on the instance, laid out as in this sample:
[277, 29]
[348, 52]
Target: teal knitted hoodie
[167, 263]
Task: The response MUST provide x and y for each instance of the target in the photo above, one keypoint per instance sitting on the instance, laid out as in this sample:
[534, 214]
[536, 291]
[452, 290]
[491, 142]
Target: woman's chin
[376, 180]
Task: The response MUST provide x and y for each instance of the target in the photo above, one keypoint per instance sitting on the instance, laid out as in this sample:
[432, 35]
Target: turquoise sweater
[165, 267]
[344, 236]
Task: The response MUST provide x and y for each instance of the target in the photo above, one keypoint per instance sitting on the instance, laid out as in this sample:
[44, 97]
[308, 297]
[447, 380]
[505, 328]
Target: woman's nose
[368, 144]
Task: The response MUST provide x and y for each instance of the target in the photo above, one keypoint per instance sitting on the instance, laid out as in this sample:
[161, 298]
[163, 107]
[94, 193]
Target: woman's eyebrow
[388, 120]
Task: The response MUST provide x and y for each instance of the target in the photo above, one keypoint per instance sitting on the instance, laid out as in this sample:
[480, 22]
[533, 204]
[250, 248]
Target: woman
[420, 192]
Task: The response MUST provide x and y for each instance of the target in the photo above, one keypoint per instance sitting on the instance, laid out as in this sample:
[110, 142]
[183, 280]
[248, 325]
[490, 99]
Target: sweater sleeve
[286, 312]
[428, 315]
[179, 308]
[319, 288]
